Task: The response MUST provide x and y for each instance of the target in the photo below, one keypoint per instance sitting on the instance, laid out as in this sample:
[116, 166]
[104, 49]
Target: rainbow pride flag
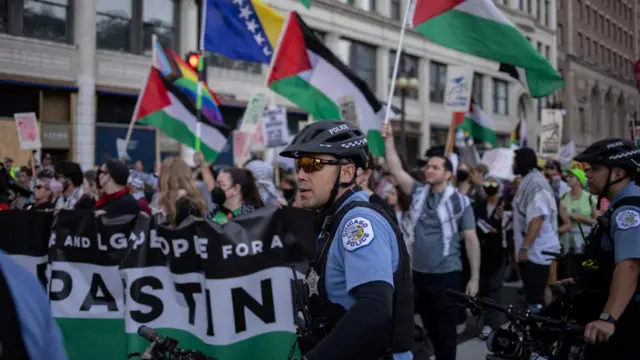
[182, 76]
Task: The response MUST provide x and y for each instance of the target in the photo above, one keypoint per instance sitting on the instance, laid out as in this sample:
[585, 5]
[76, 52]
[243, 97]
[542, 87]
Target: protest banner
[28, 132]
[225, 290]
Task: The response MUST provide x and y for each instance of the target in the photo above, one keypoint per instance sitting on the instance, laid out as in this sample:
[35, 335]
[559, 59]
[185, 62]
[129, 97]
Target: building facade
[597, 46]
[79, 64]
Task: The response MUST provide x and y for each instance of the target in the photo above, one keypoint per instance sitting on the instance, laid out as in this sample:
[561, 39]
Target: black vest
[12, 346]
[325, 314]
[596, 270]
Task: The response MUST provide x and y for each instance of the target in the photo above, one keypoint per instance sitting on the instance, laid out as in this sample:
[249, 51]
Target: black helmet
[332, 137]
[614, 152]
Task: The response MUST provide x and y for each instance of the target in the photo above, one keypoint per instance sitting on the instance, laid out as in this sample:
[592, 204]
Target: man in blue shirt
[441, 217]
[27, 329]
[360, 291]
[613, 166]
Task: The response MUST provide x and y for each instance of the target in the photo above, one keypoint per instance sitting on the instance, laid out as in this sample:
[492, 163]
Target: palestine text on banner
[479, 126]
[240, 29]
[183, 77]
[163, 106]
[479, 28]
[307, 73]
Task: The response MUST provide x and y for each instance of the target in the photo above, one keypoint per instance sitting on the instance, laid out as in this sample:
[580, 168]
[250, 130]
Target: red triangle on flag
[153, 96]
[427, 9]
[291, 56]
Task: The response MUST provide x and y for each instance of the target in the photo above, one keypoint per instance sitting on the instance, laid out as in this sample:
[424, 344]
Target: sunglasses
[39, 187]
[311, 165]
[490, 184]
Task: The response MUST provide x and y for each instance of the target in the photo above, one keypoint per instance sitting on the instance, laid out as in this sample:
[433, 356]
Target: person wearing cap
[136, 188]
[115, 198]
[613, 248]
[581, 208]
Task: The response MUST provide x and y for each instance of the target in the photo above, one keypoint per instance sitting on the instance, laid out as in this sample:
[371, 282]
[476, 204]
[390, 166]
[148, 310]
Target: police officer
[614, 248]
[360, 292]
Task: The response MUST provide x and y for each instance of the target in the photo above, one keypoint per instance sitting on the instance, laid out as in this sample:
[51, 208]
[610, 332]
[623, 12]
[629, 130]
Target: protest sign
[28, 133]
[274, 127]
[551, 132]
[225, 290]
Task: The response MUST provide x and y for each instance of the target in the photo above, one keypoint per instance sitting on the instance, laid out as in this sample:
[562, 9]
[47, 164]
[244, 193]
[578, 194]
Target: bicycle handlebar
[515, 314]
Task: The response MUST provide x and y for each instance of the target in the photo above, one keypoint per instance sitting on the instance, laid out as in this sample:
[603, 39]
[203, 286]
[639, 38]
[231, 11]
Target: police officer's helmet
[331, 137]
[613, 152]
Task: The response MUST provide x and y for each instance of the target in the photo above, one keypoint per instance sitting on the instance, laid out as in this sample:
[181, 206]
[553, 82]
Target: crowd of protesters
[552, 198]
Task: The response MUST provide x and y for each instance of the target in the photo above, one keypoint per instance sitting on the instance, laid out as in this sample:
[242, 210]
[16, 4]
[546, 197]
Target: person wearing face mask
[535, 227]
[235, 194]
[115, 198]
[463, 179]
[489, 214]
[70, 175]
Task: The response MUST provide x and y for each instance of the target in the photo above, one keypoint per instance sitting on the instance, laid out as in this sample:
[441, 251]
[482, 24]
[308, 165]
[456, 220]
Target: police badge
[312, 281]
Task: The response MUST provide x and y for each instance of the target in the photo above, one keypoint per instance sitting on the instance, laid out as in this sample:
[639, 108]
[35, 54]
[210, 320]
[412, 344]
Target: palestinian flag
[479, 28]
[479, 127]
[163, 106]
[307, 73]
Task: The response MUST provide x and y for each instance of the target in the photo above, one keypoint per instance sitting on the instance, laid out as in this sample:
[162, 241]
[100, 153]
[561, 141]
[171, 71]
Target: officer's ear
[348, 172]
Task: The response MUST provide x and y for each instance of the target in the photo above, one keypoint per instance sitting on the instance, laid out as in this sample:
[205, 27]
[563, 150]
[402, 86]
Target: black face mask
[218, 196]
[462, 175]
[491, 190]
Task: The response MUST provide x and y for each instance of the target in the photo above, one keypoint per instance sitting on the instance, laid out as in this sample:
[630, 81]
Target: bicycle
[528, 336]
[165, 348]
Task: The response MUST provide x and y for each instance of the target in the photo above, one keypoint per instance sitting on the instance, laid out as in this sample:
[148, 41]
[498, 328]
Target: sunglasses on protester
[38, 187]
[490, 184]
[310, 164]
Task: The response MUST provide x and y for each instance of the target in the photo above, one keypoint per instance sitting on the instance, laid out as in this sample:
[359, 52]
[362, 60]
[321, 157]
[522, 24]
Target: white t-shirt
[547, 239]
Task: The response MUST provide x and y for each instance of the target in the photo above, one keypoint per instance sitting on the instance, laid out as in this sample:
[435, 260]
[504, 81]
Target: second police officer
[360, 288]
[613, 250]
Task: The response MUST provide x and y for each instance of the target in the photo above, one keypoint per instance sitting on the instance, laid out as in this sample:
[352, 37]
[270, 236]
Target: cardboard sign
[274, 127]
[457, 95]
[500, 162]
[28, 133]
[551, 132]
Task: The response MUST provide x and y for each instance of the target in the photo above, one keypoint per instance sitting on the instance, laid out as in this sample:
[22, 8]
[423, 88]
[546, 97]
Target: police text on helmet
[337, 129]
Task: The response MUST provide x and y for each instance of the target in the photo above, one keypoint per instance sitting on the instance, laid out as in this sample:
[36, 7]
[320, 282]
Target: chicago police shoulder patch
[628, 219]
[357, 233]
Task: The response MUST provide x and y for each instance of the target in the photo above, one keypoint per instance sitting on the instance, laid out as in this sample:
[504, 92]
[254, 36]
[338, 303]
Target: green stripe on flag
[178, 131]
[306, 3]
[307, 97]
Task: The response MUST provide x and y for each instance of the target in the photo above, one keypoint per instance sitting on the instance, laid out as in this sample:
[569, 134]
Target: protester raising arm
[394, 164]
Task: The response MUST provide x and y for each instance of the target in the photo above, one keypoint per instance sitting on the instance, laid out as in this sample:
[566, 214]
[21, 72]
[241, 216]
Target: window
[529, 7]
[157, 17]
[477, 87]
[500, 97]
[547, 52]
[127, 25]
[539, 47]
[580, 44]
[437, 81]
[560, 35]
[580, 10]
[409, 68]
[395, 10]
[367, 5]
[221, 61]
[361, 58]
[547, 9]
[114, 24]
[4, 16]
[521, 5]
[47, 20]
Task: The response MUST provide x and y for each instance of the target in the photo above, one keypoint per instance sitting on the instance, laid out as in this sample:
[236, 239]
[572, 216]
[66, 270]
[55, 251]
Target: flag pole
[201, 71]
[394, 76]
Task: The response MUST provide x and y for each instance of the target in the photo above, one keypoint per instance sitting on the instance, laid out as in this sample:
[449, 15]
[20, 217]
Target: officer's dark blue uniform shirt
[363, 250]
